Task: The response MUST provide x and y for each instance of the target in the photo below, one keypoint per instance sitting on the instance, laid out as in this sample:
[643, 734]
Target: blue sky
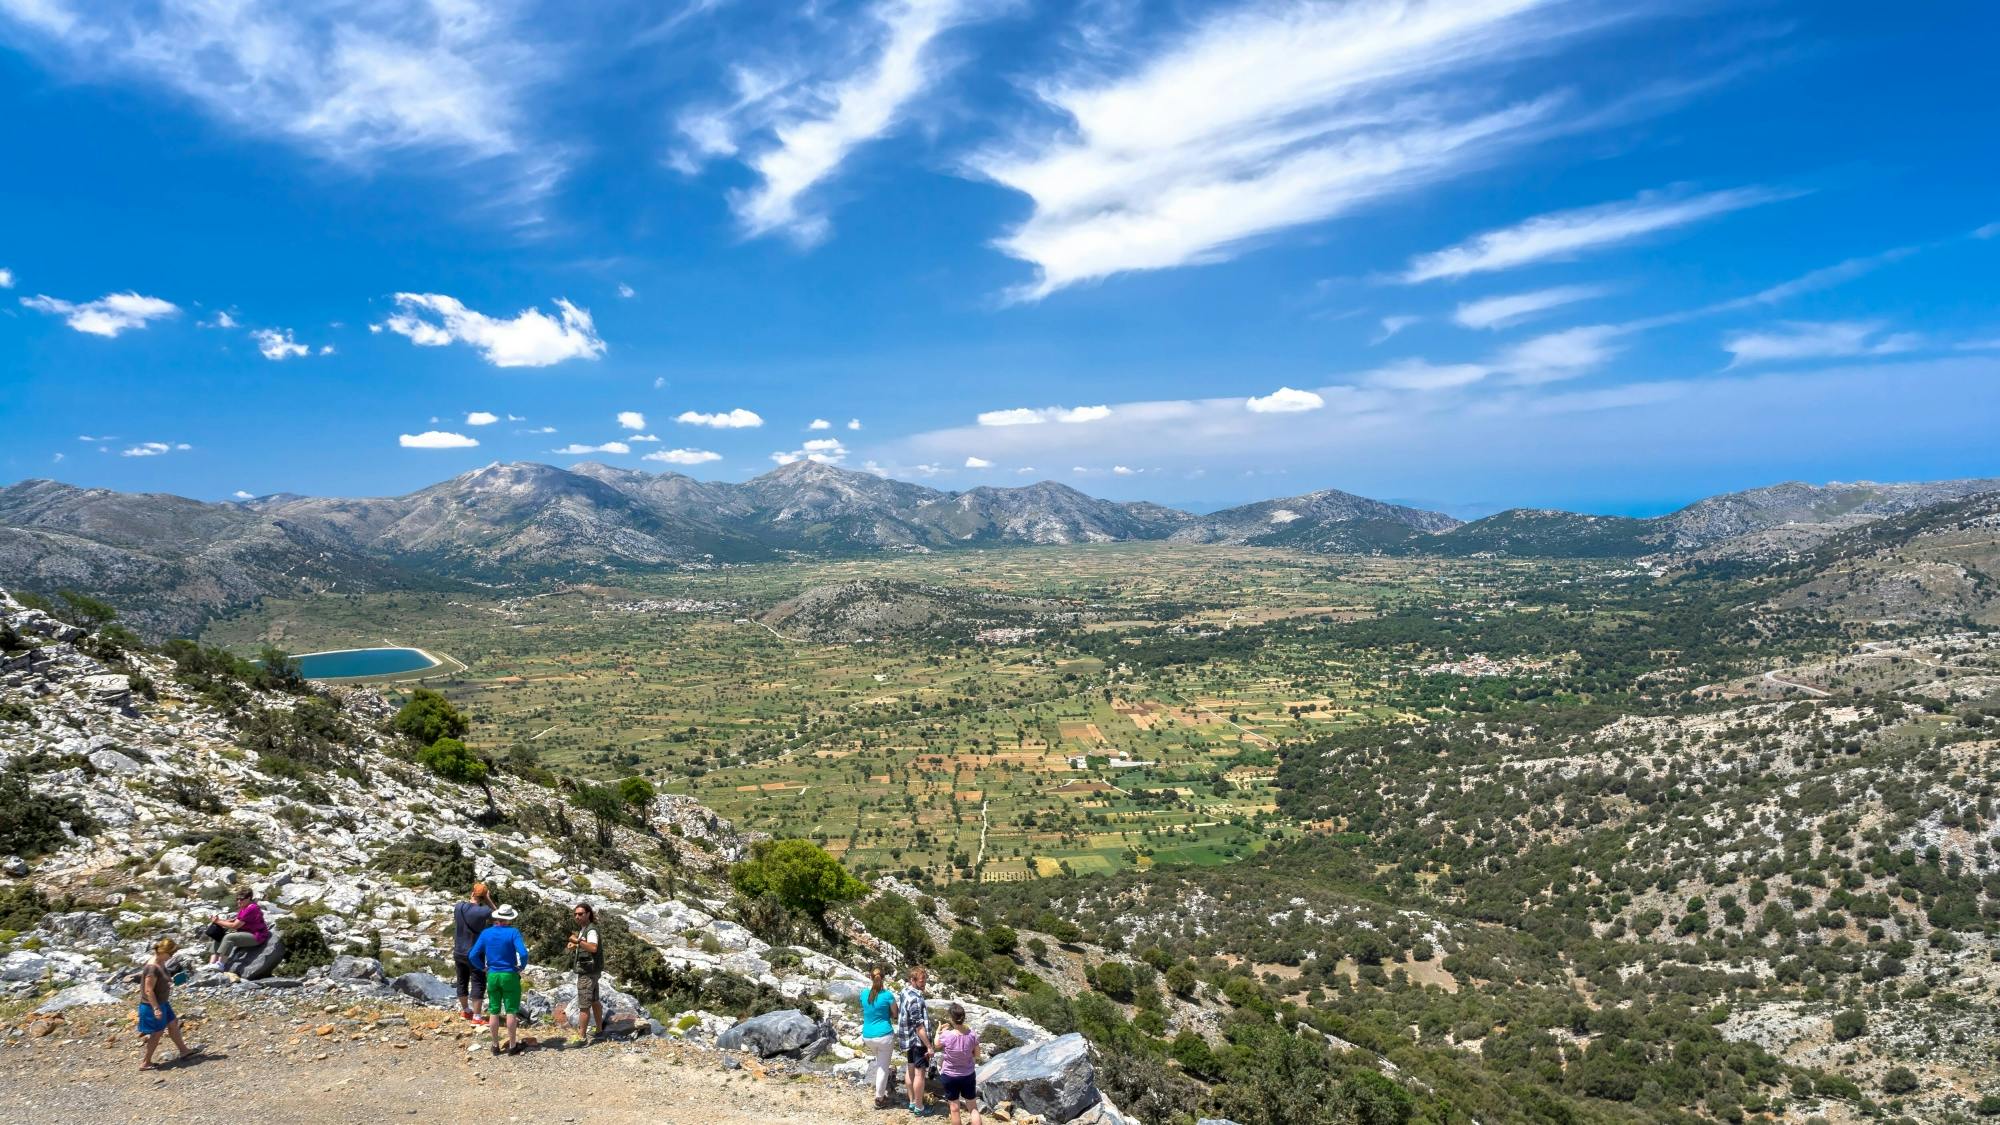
[1612, 256]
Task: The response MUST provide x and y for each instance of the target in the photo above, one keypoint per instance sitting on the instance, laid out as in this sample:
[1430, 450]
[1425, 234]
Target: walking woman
[878, 1034]
[156, 1010]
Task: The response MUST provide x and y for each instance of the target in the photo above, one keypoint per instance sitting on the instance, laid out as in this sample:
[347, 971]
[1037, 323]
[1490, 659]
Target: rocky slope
[873, 608]
[138, 792]
[1935, 565]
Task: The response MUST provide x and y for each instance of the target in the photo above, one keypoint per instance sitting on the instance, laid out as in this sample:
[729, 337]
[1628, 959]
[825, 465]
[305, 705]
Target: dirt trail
[263, 1065]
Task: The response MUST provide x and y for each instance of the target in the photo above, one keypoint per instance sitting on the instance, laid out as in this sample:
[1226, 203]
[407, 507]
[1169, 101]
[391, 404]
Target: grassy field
[966, 760]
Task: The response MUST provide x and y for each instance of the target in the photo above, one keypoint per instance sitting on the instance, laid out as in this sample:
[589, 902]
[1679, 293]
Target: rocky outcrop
[789, 1034]
[1054, 1079]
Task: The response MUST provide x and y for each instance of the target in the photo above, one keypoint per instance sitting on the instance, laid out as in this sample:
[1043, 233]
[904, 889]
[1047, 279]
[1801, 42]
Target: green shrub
[428, 717]
[33, 821]
[22, 907]
[893, 918]
[1899, 1080]
[450, 759]
[305, 946]
[443, 865]
[1849, 1024]
[800, 874]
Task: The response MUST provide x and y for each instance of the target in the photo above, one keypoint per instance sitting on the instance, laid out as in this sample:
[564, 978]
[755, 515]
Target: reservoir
[355, 663]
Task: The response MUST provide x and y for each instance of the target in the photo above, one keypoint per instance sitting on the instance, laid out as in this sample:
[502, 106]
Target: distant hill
[1777, 521]
[1939, 564]
[1544, 533]
[876, 608]
[1327, 520]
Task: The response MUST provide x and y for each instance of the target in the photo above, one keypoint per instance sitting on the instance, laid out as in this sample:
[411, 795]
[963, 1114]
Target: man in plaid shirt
[913, 1028]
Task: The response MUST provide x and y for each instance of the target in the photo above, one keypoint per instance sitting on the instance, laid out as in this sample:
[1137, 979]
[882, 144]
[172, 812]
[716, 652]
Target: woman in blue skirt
[156, 1009]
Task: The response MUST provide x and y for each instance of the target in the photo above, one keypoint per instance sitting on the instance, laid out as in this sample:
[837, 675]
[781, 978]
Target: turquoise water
[362, 662]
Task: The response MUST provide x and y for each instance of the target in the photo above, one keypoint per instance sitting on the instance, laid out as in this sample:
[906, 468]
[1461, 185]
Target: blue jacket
[498, 950]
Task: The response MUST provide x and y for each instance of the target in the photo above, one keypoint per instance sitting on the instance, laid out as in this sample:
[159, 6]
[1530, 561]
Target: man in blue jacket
[501, 955]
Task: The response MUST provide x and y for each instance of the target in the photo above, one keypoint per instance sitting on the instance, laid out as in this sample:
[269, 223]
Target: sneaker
[580, 1041]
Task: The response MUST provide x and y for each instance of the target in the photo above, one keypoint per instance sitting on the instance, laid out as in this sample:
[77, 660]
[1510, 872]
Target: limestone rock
[427, 987]
[77, 996]
[788, 1033]
[1054, 1079]
[262, 961]
[346, 967]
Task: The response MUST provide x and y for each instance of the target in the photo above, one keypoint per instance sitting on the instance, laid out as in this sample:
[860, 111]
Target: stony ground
[367, 1064]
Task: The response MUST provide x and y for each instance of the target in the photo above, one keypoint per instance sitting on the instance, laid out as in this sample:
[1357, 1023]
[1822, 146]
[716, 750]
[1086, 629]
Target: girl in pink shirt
[958, 1065]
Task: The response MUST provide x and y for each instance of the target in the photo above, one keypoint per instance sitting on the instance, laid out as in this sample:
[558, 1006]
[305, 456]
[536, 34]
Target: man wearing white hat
[501, 955]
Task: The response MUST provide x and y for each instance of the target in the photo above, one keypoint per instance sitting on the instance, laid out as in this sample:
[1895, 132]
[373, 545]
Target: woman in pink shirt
[246, 929]
[958, 1065]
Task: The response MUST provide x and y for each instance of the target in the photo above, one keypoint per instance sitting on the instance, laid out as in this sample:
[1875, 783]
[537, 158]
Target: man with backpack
[587, 951]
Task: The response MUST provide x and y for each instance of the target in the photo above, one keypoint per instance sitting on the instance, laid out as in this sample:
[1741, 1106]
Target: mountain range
[179, 562]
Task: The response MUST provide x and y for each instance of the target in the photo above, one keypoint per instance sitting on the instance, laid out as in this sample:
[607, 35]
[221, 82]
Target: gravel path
[383, 1063]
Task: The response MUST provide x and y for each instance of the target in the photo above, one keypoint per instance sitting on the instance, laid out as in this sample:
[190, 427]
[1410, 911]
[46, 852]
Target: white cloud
[1391, 325]
[1512, 308]
[531, 338]
[1261, 118]
[1125, 472]
[349, 80]
[1791, 340]
[802, 125]
[58, 458]
[575, 448]
[6, 279]
[626, 291]
[277, 344]
[659, 382]
[1284, 400]
[819, 424]
[683, 456]
[538, 430]
[155, 449]
[1417, 375]
[827, 451]
[978, 463]
[106, 437]
[638, 438]
[326, 349]
[108, 315]
[631, 420]
[1559, 355]
[1024, 416]
[1566, 234]
[481, 418]
[854, 423]
[737, 419]
[1024, 470]
[240, 494]
[436, 439]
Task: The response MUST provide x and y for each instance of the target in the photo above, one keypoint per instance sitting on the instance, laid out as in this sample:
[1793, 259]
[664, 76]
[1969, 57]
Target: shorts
[918, 1054]
[961, 1087]
[586, 994]
[470, 981]
[503, 993]
[150, 1025]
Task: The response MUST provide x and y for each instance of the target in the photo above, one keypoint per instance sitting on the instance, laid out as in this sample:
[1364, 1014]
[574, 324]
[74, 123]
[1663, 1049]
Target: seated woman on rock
[242, 931]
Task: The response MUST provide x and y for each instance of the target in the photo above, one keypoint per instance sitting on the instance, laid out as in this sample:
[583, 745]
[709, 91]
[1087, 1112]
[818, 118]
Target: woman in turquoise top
[878, 1033]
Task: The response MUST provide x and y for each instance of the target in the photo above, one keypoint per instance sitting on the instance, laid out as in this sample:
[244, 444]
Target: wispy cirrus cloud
[1556, 356]
[1799, 339]
[1263, 118]
[107, 316]
[530, 338]
[1569, 234]
[155, 449]
[577, 448]
[350, 80]
[795, 124]
[1513, 308]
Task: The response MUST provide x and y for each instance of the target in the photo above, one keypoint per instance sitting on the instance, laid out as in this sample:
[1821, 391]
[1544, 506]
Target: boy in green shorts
[501, 955]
